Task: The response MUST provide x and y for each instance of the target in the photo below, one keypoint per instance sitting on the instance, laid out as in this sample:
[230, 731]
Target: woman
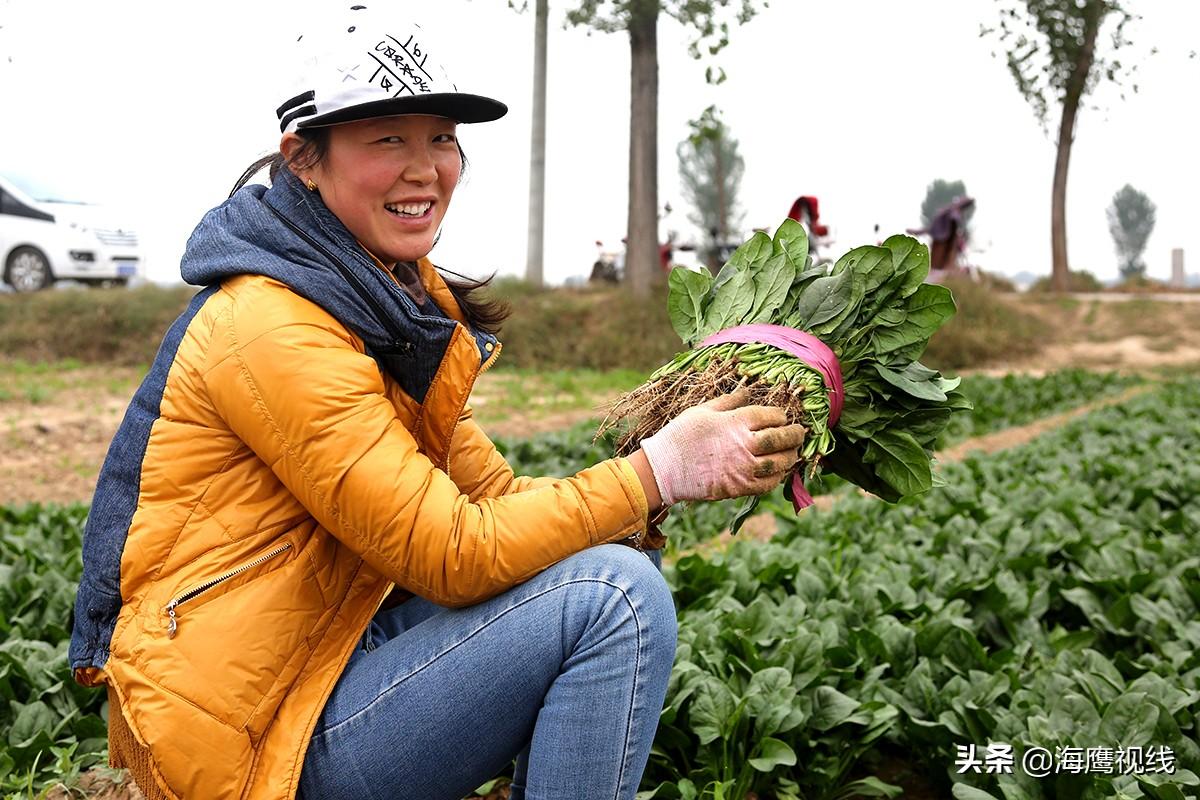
[306, 569]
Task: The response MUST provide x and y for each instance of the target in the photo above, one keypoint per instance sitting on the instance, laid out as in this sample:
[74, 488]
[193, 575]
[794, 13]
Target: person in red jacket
[807, 211]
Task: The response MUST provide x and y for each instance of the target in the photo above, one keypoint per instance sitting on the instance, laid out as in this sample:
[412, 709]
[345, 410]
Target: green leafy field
[53, 727]
[1048, 595]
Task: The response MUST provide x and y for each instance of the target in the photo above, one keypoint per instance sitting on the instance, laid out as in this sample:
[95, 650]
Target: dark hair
[482, 313]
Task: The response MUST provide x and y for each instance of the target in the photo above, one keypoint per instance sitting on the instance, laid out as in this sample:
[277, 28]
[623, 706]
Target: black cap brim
[452, 105]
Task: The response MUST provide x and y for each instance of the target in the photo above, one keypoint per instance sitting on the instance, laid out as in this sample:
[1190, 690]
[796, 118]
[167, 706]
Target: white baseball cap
[362, 63]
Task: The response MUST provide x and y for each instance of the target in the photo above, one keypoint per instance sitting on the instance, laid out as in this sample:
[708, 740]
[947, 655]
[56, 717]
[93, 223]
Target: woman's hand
[723, 448]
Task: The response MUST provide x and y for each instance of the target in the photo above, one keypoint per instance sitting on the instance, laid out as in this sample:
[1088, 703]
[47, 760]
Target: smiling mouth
[409, 210]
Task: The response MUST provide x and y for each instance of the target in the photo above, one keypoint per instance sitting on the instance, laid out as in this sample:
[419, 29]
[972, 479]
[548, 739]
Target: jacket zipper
[482, 369]
[196, 591]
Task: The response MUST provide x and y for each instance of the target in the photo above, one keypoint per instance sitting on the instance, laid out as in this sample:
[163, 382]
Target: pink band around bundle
[804, 346]
[809, 349]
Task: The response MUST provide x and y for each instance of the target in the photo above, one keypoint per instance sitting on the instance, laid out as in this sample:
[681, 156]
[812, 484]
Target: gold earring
[312, 187]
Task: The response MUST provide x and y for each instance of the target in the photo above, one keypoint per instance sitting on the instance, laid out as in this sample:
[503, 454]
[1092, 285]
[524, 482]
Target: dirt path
[56, 428]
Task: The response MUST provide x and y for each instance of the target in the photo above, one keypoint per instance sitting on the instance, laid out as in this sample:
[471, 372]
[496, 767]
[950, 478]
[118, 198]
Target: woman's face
[389, 180]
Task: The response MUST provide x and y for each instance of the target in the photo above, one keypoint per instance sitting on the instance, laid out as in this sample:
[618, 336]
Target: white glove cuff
[659, 460]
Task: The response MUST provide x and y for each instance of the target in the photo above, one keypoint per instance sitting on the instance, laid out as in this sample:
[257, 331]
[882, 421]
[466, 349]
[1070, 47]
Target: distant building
[1177, 275]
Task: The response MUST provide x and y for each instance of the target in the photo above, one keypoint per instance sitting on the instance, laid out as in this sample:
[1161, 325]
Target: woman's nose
[421, 168]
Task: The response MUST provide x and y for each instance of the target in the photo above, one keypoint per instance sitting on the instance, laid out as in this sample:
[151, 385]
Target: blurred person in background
[807, 211]
[948, 236]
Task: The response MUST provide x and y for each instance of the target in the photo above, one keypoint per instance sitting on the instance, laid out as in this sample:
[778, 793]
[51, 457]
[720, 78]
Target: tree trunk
[718, 147]
[642, 271]
[1066, 136]
[537, 151]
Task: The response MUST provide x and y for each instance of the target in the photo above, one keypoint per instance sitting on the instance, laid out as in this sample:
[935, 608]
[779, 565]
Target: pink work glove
[723, 448]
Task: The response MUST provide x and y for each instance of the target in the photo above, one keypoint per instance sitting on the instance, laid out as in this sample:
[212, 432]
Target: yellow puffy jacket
[283, 485]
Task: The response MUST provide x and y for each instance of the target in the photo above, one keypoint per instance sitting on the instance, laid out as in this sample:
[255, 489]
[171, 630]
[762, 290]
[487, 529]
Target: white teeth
[409, 209]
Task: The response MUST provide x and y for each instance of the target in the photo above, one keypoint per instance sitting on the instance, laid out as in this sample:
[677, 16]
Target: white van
[45, 238]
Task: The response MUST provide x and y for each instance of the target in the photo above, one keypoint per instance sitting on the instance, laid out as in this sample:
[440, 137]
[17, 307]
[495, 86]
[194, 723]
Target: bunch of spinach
[874, 311]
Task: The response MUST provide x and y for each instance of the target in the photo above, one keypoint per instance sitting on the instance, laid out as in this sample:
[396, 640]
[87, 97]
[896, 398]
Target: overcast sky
[156, 107]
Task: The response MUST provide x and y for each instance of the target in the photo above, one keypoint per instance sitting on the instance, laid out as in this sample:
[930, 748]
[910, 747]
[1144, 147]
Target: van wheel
[27, 270]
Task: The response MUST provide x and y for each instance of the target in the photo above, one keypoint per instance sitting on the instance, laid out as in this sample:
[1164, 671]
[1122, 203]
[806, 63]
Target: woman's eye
[445, 137]
[391, 140]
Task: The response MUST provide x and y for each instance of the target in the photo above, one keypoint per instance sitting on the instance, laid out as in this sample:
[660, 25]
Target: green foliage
[938, 195]
[1046, 596]
[710, 172]
[1013, 400]
[1079, 280]
[122, 326]
[53, 727]
[709, 19]
[1050, 48]
[1131, 221]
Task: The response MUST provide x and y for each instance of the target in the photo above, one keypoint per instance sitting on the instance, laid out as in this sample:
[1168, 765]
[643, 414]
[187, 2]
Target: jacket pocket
[215, 587]
[223, 642]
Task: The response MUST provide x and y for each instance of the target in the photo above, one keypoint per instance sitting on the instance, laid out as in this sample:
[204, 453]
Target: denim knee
[639, 580]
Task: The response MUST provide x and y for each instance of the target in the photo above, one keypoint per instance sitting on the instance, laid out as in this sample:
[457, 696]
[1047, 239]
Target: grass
[38, 394]
[597, 329]
[540, 392]
[88, 326]
[988, 329]
[594, 329]
[38, 383]
[1141, 315]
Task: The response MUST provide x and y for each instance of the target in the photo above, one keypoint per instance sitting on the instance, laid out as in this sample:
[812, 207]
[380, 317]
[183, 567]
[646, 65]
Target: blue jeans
[566, 673]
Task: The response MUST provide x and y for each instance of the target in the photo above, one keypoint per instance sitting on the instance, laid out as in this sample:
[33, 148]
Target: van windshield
[42, 188]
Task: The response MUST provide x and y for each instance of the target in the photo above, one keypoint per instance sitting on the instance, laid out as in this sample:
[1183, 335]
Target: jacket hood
[285, 232]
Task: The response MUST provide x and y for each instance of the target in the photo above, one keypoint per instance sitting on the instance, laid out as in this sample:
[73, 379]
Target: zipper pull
[173, 625]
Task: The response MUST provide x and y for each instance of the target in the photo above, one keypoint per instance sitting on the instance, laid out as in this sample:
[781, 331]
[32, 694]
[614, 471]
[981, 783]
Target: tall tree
[534, 272]
[640, 19]
[1052, 54]
[710, 169]
[938, 195]
[1131, 221]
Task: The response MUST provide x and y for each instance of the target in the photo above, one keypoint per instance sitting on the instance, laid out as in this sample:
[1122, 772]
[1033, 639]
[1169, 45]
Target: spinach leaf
[821, 301]
[731, 303]
[900, 461]
[688, 294]
[753, 253]
[910, 382]
[792, 239]
[926, 310]
[771, 285]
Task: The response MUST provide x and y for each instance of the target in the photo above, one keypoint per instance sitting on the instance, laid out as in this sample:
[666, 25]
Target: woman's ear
[289, 145]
